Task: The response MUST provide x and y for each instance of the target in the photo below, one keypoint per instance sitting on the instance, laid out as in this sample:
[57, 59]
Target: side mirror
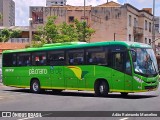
[134, 55]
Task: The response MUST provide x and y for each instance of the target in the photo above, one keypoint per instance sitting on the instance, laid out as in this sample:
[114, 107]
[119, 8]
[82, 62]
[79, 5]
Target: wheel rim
[35, 86]
[101, 88]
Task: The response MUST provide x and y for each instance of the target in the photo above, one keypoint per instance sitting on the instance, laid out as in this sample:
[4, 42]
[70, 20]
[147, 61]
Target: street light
[30, 30]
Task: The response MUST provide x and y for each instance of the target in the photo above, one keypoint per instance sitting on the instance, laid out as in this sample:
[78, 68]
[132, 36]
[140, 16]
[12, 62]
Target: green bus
[102, 67]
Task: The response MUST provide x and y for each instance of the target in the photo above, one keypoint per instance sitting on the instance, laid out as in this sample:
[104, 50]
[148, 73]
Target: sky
[22, 6]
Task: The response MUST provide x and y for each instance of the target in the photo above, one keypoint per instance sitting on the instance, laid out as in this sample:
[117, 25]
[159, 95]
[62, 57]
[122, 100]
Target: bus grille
[151, 82]
[150, 87]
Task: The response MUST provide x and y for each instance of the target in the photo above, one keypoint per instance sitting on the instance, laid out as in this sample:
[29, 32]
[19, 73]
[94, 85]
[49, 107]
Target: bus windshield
[145, 63]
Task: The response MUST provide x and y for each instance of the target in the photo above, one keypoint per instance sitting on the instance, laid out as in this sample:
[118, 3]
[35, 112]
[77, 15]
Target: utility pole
[114, 36]
[153, 28]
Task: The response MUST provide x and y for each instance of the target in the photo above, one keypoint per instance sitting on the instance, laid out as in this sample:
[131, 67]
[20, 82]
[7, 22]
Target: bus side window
[39, 58]
[56, 58]
[9, 60]
[118, 61]
[23, 59]
[97, 56]
[75, 57]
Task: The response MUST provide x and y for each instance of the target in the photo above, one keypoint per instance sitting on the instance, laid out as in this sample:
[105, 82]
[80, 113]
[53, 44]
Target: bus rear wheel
[35, 86]
[101, 88]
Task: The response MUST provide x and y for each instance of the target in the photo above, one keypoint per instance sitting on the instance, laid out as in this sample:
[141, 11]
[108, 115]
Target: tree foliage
[15, 33]
[6, 34]
[58, 33]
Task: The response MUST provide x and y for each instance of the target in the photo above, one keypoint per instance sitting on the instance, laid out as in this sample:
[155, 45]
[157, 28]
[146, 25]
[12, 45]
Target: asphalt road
[13, 99]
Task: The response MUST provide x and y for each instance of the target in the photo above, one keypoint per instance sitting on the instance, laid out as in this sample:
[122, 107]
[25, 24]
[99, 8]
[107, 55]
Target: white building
[7, 9]
[157, 24]
[55, 3]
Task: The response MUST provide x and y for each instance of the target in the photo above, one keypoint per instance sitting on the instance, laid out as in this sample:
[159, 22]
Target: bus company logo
[78, 72]
[9, 70]
[37, 71]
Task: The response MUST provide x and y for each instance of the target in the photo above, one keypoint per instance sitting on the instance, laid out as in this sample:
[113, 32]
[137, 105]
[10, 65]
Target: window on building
[37, 17]
[157, 27]
[135, 39]
[150, 26]
[145, 24]
[130, 20]
[135, 22]
[71, 18]
[129, 37]
[150, 41]
[146, 40]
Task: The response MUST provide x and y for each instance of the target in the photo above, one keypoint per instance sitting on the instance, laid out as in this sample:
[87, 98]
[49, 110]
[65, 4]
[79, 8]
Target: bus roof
[70, 45]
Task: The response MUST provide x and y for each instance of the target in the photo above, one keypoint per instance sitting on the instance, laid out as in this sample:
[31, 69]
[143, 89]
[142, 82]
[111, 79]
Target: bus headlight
[138, 79]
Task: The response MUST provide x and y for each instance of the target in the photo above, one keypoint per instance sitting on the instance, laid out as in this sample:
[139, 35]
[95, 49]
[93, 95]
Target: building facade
[157, 24]
[111, 21]
[7, 9]
[50, 3]
[157, 35]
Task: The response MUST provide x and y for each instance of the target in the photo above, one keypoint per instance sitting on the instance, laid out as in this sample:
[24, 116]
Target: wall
[107, 21]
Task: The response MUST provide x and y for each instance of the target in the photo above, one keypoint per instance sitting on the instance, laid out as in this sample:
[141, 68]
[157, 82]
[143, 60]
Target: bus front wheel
[101, 88]
[35, 86]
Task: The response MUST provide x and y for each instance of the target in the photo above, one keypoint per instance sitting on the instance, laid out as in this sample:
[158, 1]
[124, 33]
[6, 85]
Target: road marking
[1, 97]
[123, 119]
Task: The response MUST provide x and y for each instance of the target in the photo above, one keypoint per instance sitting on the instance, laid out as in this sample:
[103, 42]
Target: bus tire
[35, 86]
[101, 88]
[124, 94]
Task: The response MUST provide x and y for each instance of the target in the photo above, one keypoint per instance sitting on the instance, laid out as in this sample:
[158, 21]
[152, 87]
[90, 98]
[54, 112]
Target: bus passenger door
[56, 61]
[118, 71]
[128, 74]
[74, 72]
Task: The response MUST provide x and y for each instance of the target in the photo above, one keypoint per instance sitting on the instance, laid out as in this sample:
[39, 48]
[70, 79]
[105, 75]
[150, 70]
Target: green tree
[53, 33]
[48, 33]
[84, 32]
[68, 33]
[4, 35]
[15, 33]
